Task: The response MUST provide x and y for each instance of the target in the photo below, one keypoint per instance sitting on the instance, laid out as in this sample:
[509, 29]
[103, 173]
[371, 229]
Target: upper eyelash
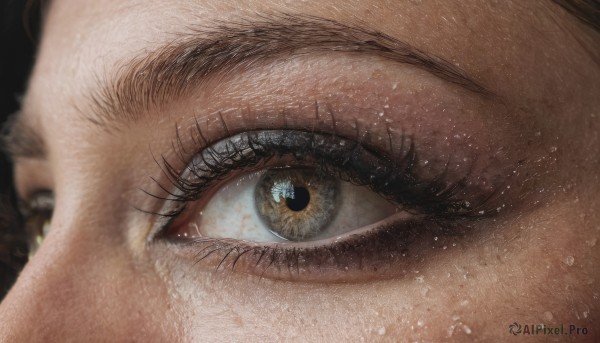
[399, 183]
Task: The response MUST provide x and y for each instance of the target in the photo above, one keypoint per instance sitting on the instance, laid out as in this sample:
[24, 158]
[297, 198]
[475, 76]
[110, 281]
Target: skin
[99, 275]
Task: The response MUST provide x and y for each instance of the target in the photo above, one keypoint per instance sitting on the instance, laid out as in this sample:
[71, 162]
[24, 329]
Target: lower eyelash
[387, 251]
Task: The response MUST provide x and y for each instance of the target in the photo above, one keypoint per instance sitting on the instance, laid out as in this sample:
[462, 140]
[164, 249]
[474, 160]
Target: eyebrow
[174, 70]
[19, 139]
[156, 79]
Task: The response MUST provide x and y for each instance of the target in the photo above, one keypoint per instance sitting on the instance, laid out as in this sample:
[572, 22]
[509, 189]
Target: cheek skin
[475, 291]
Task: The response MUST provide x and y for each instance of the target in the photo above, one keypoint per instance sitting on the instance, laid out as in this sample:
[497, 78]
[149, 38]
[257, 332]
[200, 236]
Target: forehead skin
[89, 279]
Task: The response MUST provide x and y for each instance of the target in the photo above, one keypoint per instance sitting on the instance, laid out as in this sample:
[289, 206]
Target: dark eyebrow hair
[155, 79]
[19, 139]
[172, 71]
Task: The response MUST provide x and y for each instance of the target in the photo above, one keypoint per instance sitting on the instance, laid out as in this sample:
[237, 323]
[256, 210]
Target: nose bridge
[80, 286]
[47, 293]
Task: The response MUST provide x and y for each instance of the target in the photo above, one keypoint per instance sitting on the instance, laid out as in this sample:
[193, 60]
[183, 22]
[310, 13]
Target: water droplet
[553, 149]
[425, 162]
[467, 329]
[435, 238]
[420, 323]
[394, 86]
[450, 330]
[342, 143]
[381, 331]
[481, 212]
[386, 106]
[569, 260]
[381, 114]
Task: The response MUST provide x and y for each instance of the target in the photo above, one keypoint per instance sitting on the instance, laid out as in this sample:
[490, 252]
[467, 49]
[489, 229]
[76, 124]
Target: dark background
[18, 34]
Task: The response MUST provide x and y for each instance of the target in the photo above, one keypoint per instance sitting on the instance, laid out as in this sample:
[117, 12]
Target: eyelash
[393, 177]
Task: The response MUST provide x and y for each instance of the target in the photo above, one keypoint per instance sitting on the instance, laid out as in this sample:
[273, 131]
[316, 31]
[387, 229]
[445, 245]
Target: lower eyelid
[388, 251]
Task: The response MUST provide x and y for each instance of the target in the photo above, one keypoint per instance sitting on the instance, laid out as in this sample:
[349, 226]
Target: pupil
[300, 200]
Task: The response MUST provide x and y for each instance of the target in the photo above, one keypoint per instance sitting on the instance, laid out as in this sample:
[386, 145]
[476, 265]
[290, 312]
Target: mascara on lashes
[393, 176]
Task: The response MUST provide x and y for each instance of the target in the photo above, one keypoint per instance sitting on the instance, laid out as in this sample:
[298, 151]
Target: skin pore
[508, 105]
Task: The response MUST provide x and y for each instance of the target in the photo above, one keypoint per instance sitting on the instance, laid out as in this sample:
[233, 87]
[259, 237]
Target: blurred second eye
[284, 204]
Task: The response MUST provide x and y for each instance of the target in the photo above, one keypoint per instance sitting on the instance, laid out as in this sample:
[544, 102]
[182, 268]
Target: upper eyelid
[398, 165]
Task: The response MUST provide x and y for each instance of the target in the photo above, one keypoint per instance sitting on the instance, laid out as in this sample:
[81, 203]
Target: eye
[285, 204]
[299, 205]
[37, 213]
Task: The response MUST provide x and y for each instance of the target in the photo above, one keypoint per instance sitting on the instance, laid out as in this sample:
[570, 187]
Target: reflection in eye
[296, 204]
[282, 204]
